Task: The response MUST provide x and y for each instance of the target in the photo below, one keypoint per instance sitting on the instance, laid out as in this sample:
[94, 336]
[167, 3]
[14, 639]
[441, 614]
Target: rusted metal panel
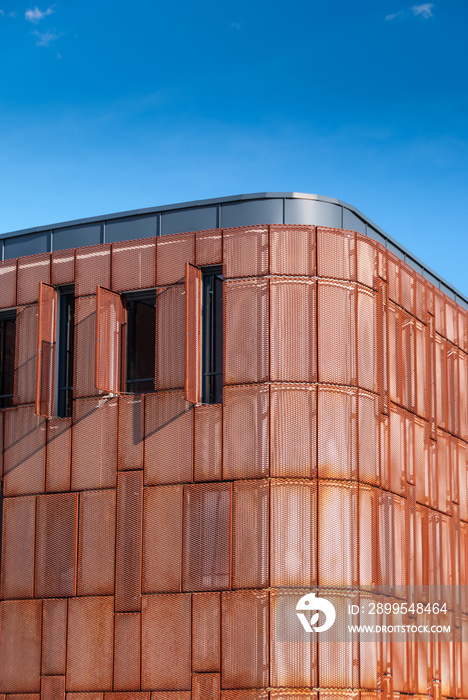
[367, 262]
[337, 534]
[92, 268]
[97, 418]
[133, 265]
[337, 433]
[209, 247]
[293, 326]
[162, 539]
[54, 636]
[245, 251]
[96, 543]
[207, 537]
[250, 524]
[8, 283]
[246, 432]
[336, 333]
[336, 253]
[58, 454]
[245, 659]
[62, 269]
[110, 325]
[18, 540]
[168, 438]
[368, 438]
[45, 363]
[208, 443]
[24, 456]
[293, 430]
[173, 251]
[246, 336]
[166, 631]
[193, 358]
[25, 356]
[90, 644]
[292, 250]
[206, 621]
[20, 646]
[32, 270]
[206, 686]
[367, 339]
[53, 688]
[130, 433]
[85, 350]
[170, 338]
[129, 541]
[127, 654]
[57, 525]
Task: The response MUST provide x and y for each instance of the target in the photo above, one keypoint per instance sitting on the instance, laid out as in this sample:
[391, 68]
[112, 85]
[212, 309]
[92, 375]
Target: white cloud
[36, 15]
[390, 17]
[424, 10]
[2, 13]
[12, 14]
[45, 38]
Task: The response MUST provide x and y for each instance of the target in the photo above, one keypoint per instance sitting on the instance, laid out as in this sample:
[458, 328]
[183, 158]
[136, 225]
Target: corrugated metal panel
[337, 534]
[127, 652]
[133, 264]
[97, 418]
[173, 251]
[18, 539]
[96, 544]
[209, 247]
[246, 342]
[337, 333]
[166, 628]
[53, 688]
[110, 329]
[250, 524]
[54, 636]
[58, 454]
[57, 524]
[208, 443]
[62, 270]
[206, 621]
[129, 541]
[245, 659]
[293, 330]
[8, 283]
[85, 350]
[366, 261]
[245, 251]
[32, 270]
[367, 340]
[24, 456]
[20, 639]
[90, 630]
[337, 433]
[292, 250]
[168, 438]
[193, 359]
[92, 268]
[206, 686]
[170, 338]
[336, 253]
[25, 355]
[162, 539]
[293, 430]
[246, 432]
[45, 363]
[130, 433]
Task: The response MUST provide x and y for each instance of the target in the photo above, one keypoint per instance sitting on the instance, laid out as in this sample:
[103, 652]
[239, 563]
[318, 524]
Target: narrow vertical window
[212, 335]
[141, 329]
[66, 344]
[7, 357]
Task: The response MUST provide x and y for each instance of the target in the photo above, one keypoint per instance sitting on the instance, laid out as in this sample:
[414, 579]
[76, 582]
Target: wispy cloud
[12, 14]
[36, 15]
[44, 39]
[424, 11]
[2, 13]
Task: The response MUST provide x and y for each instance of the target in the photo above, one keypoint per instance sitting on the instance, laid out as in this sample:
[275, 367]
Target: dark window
[141, 329]
[65, 350]
[212, 335]
[7, 357]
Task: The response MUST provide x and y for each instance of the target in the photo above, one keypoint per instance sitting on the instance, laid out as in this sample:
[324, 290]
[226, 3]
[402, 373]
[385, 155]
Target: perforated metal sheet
[208, 443]
[170, 338]
[393, 277]
[32, 270]
[24, 456]
[92, 268]
[110, 326]
[8, 283]
[250, 526]
[366, 261]
[129, 541]
[209, 247]
[25, 355]
[54, 636]
[96, 543]
[337, 534]
[337, 433]
[58, 454]
[407, 287]
[90, 628]
[367, 340]
[293, 438]
[292, 250]
[45, 374]
[127, 652]
[246, 432]
[62, 270]
[97, 418]
[85, 340]
[206, 621]
[18, 538]
[368, 538]
[162, 539]
[397, 454]
[368, 438]
[173, 251]
[336, 253]
[336, 333]
[245, 251]
[206, 686]
[133, 265]
[53, 688]
[20, 638]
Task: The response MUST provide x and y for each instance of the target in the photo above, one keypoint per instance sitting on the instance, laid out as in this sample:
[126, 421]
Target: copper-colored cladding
[246, 432]
[62, 269]
[85, 696]
[127, 651]
[92, 268]
[110, 324]
[130, 432]
[85, 340]
[170, 337]
[18, 537]
[292, 250]
[90, 644]
[127, 696]
[244, 695]
[172, 252]
[337, 512]
[45, 361]
[128, 549]
[293, 430]
[366, 261]
[293, 695]
[24, 448]
[336, 254]
[8, 283]
[32, 270]
[53, 688]
[338, 661]
[54, 636]
[133, 265]
[250, 520]
[205, 686]
[172, 695]
[25, 355]
[245, 251]
[162, 546]
[337, 433]
[193, 354]
[206, 618]
[367, 339]
[58, 454]
[368, 536]
[20, 645]
[96, 543]
[208, 443]
[208, 247]
[337, 337]
[368, 438]
[96, 420]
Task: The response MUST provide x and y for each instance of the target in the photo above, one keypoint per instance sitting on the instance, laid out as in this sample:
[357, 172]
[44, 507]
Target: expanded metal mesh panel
[421, 544]
[246, 331]
[92, 268]
[96, 543]
[133, 265]
[245, 659]
[206, 621]
[208, 443]
[209, 247]
[90, 644]
[110, 325]
[443, 495]
[392, 558]
[193, 330]
[292, 250]
[368, 438]
[421, 393]
[62, 270]
[168, 438]
[129, 541]
[367, 339]
[337, 534]
[463, 394]
[57, 524]
[172, 253]
[463, 329]
[286, 694]
[127, 651]
[420, 296]
[165, 642]
[293, 440]
[441, 381]
[25, 355]
[408, 362]
[368, 536]
[397, 454]
[407, 288]
[58, 454]
[54, 636]
[207, 537]
[337, 433]
[453, 396]
[127, 696]
[246, 432]
[24, 456]
[336, 253]
[366, 261]
[8, 283]
[451, 321]
[130, 433]
[45, 375]
[336, 333]
[421, 461]
[32, 270]
[18, 537]
[393, 277]
[293, 526]
[53, 688]
[85, 696]
[244, 695]
[172, 695]
[293, 330]
[162, 539]
[338, 662]
[463, 479]
[20, 639]
[206, 686]
[170, 338]
[439, 311]
[250, 524]
[245, 251]
[85, 340]
[394, 354]
[96, 418]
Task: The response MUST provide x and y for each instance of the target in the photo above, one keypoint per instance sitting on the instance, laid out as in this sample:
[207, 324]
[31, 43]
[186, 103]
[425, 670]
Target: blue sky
[110, 106]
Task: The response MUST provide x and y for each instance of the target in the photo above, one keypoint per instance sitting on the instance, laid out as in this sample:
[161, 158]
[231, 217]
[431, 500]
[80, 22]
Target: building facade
[209, 411]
